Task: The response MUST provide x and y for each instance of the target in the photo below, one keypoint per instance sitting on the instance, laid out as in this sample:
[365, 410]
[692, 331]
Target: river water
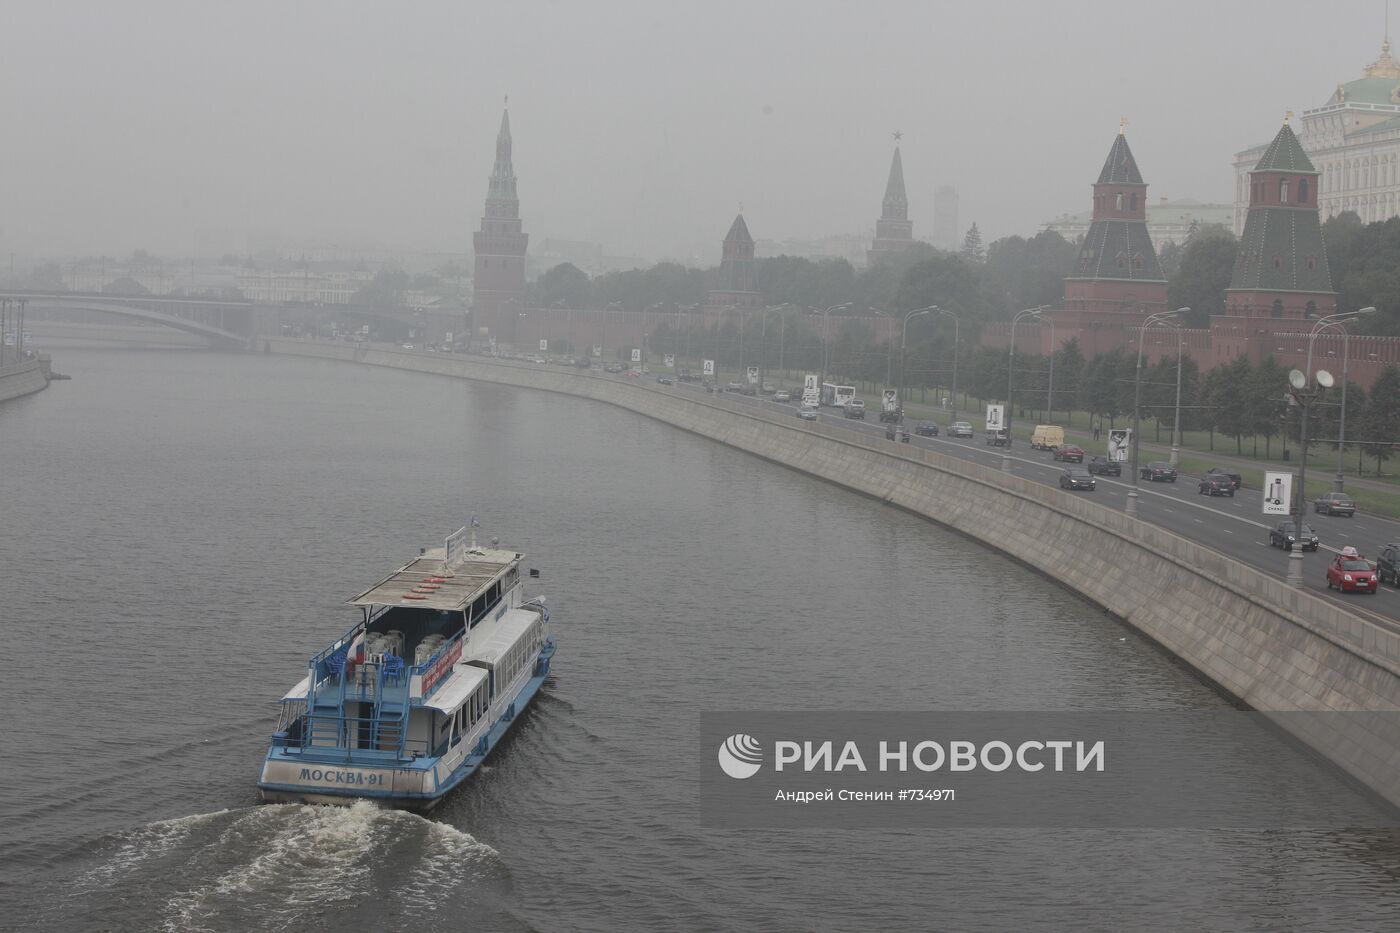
[179, 529]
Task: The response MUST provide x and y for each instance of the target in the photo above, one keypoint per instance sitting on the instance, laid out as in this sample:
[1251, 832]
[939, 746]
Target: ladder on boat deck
[389, 729]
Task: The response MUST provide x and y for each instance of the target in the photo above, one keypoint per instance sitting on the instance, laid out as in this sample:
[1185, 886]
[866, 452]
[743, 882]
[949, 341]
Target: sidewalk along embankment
[19, 379]
[1271, 646]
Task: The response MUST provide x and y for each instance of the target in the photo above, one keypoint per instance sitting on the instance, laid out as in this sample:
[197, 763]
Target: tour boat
[408, 703]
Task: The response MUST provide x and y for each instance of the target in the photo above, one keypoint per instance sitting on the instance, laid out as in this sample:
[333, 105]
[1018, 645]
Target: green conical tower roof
[1120, 168]
[894, 188]
[1285, 154]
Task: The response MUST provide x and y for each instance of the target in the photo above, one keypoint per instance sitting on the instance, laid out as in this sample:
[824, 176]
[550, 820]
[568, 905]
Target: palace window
[1118, 202]
[1277, 309]
[1132, 202]
[1283, 191]
[1302, 191]
[1122, 260]
[1311, 310]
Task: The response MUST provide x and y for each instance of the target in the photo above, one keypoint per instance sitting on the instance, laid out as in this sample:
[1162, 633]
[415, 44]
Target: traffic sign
[709, 367]
[995, 420]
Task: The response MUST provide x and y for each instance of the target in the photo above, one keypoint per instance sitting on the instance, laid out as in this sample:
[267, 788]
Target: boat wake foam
[275, 867]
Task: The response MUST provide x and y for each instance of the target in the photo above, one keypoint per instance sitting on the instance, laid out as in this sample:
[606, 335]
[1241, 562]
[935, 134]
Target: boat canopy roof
[454, 691]
[428, 582]
[490, 643]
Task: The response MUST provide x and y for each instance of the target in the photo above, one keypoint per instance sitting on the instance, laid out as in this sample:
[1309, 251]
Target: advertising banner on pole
[753, 375]
[598, 350]
[1119, 440]
[636, 354]
[995, 420]
[670, 361]
[544, 346]
[811, 395]
[447, 336]
[1278, 493]
[889, 401]
[709, 367]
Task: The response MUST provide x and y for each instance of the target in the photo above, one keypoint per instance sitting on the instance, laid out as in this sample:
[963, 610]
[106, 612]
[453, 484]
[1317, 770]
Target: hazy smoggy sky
[188, 126]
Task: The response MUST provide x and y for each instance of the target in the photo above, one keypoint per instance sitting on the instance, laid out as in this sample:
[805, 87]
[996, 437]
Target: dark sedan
[1335, 503]
[1216, 484]
[1236, 479]
[1077, 478]
[1069, 453]
[926, 429]
[1283, 536]
[1102, 466]
[1159, 472]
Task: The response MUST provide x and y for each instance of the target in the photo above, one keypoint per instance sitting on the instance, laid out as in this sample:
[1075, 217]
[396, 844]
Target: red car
[1351, 573]
[1069, 453]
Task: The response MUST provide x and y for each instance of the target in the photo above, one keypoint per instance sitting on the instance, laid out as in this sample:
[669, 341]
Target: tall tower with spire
[894, 231]
[735, 283]
[498, 291]
[1117, 280]
[1117, 268]
[1281, 267]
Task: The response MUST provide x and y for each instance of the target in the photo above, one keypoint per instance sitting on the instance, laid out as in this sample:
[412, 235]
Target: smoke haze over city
[198, 128]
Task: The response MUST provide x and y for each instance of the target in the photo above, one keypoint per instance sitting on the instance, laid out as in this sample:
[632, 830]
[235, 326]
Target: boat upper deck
[430, 582]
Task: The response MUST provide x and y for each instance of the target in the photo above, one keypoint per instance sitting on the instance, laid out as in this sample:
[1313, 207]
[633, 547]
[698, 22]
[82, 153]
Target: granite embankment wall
[1273, 647]
[18, 379]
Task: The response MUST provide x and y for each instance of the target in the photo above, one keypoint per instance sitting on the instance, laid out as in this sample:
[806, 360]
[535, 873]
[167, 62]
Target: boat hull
[296, 776]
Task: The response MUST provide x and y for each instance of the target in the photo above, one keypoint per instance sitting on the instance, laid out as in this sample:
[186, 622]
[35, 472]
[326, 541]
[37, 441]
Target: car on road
[926, 429]
[807, 414]
[769, 388]
[999, 437]
[734, 386]
[1158, 471]
[614, 368]
[894, 432]
[1335, 503]
[408, 346]
[1281, 535]
[1351, 573]
[960, 429]
[1069, 453]
[1236, 479]
[855, 411]
[749, 390]
[665, 381]
[1216, 484]
[782, 395]
[1047, 437]
[633, 373]
[892, 414]
[1102, 466]
[1388, 564]
[1077, 478]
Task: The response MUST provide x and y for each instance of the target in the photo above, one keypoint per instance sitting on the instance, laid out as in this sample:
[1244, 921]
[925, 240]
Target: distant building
[1167, 221]
[498, 287]
[945, 218]
[850, 247]
[1353, 140]
[894, 231]
[302, 283]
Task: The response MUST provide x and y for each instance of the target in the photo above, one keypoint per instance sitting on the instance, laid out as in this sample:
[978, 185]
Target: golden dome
[1384, 67]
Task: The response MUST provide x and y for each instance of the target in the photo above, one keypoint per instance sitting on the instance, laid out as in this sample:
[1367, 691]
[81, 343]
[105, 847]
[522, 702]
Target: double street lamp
[1010, 372]
[1153, 320]
[1338, 321]
[763, 348]
[1302, 393]
[826, 339]
[903, 344]
[938, 310]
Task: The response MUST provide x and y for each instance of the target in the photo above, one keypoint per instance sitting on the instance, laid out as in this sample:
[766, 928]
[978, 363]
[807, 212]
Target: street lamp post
[826, 338]
[1152, 320]
[1339, 321]
[1050, 382]
[1303, 393]
[955, 357]
[643, 344]
[1176, 421]
[1010, 371]
[763, 347]
[903, 344]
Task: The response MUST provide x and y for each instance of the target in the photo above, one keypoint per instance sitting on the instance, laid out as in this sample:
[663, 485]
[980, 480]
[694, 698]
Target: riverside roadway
[1234, 526]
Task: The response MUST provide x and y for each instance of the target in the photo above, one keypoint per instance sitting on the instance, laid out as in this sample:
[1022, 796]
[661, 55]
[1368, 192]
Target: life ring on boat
[413, 596]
